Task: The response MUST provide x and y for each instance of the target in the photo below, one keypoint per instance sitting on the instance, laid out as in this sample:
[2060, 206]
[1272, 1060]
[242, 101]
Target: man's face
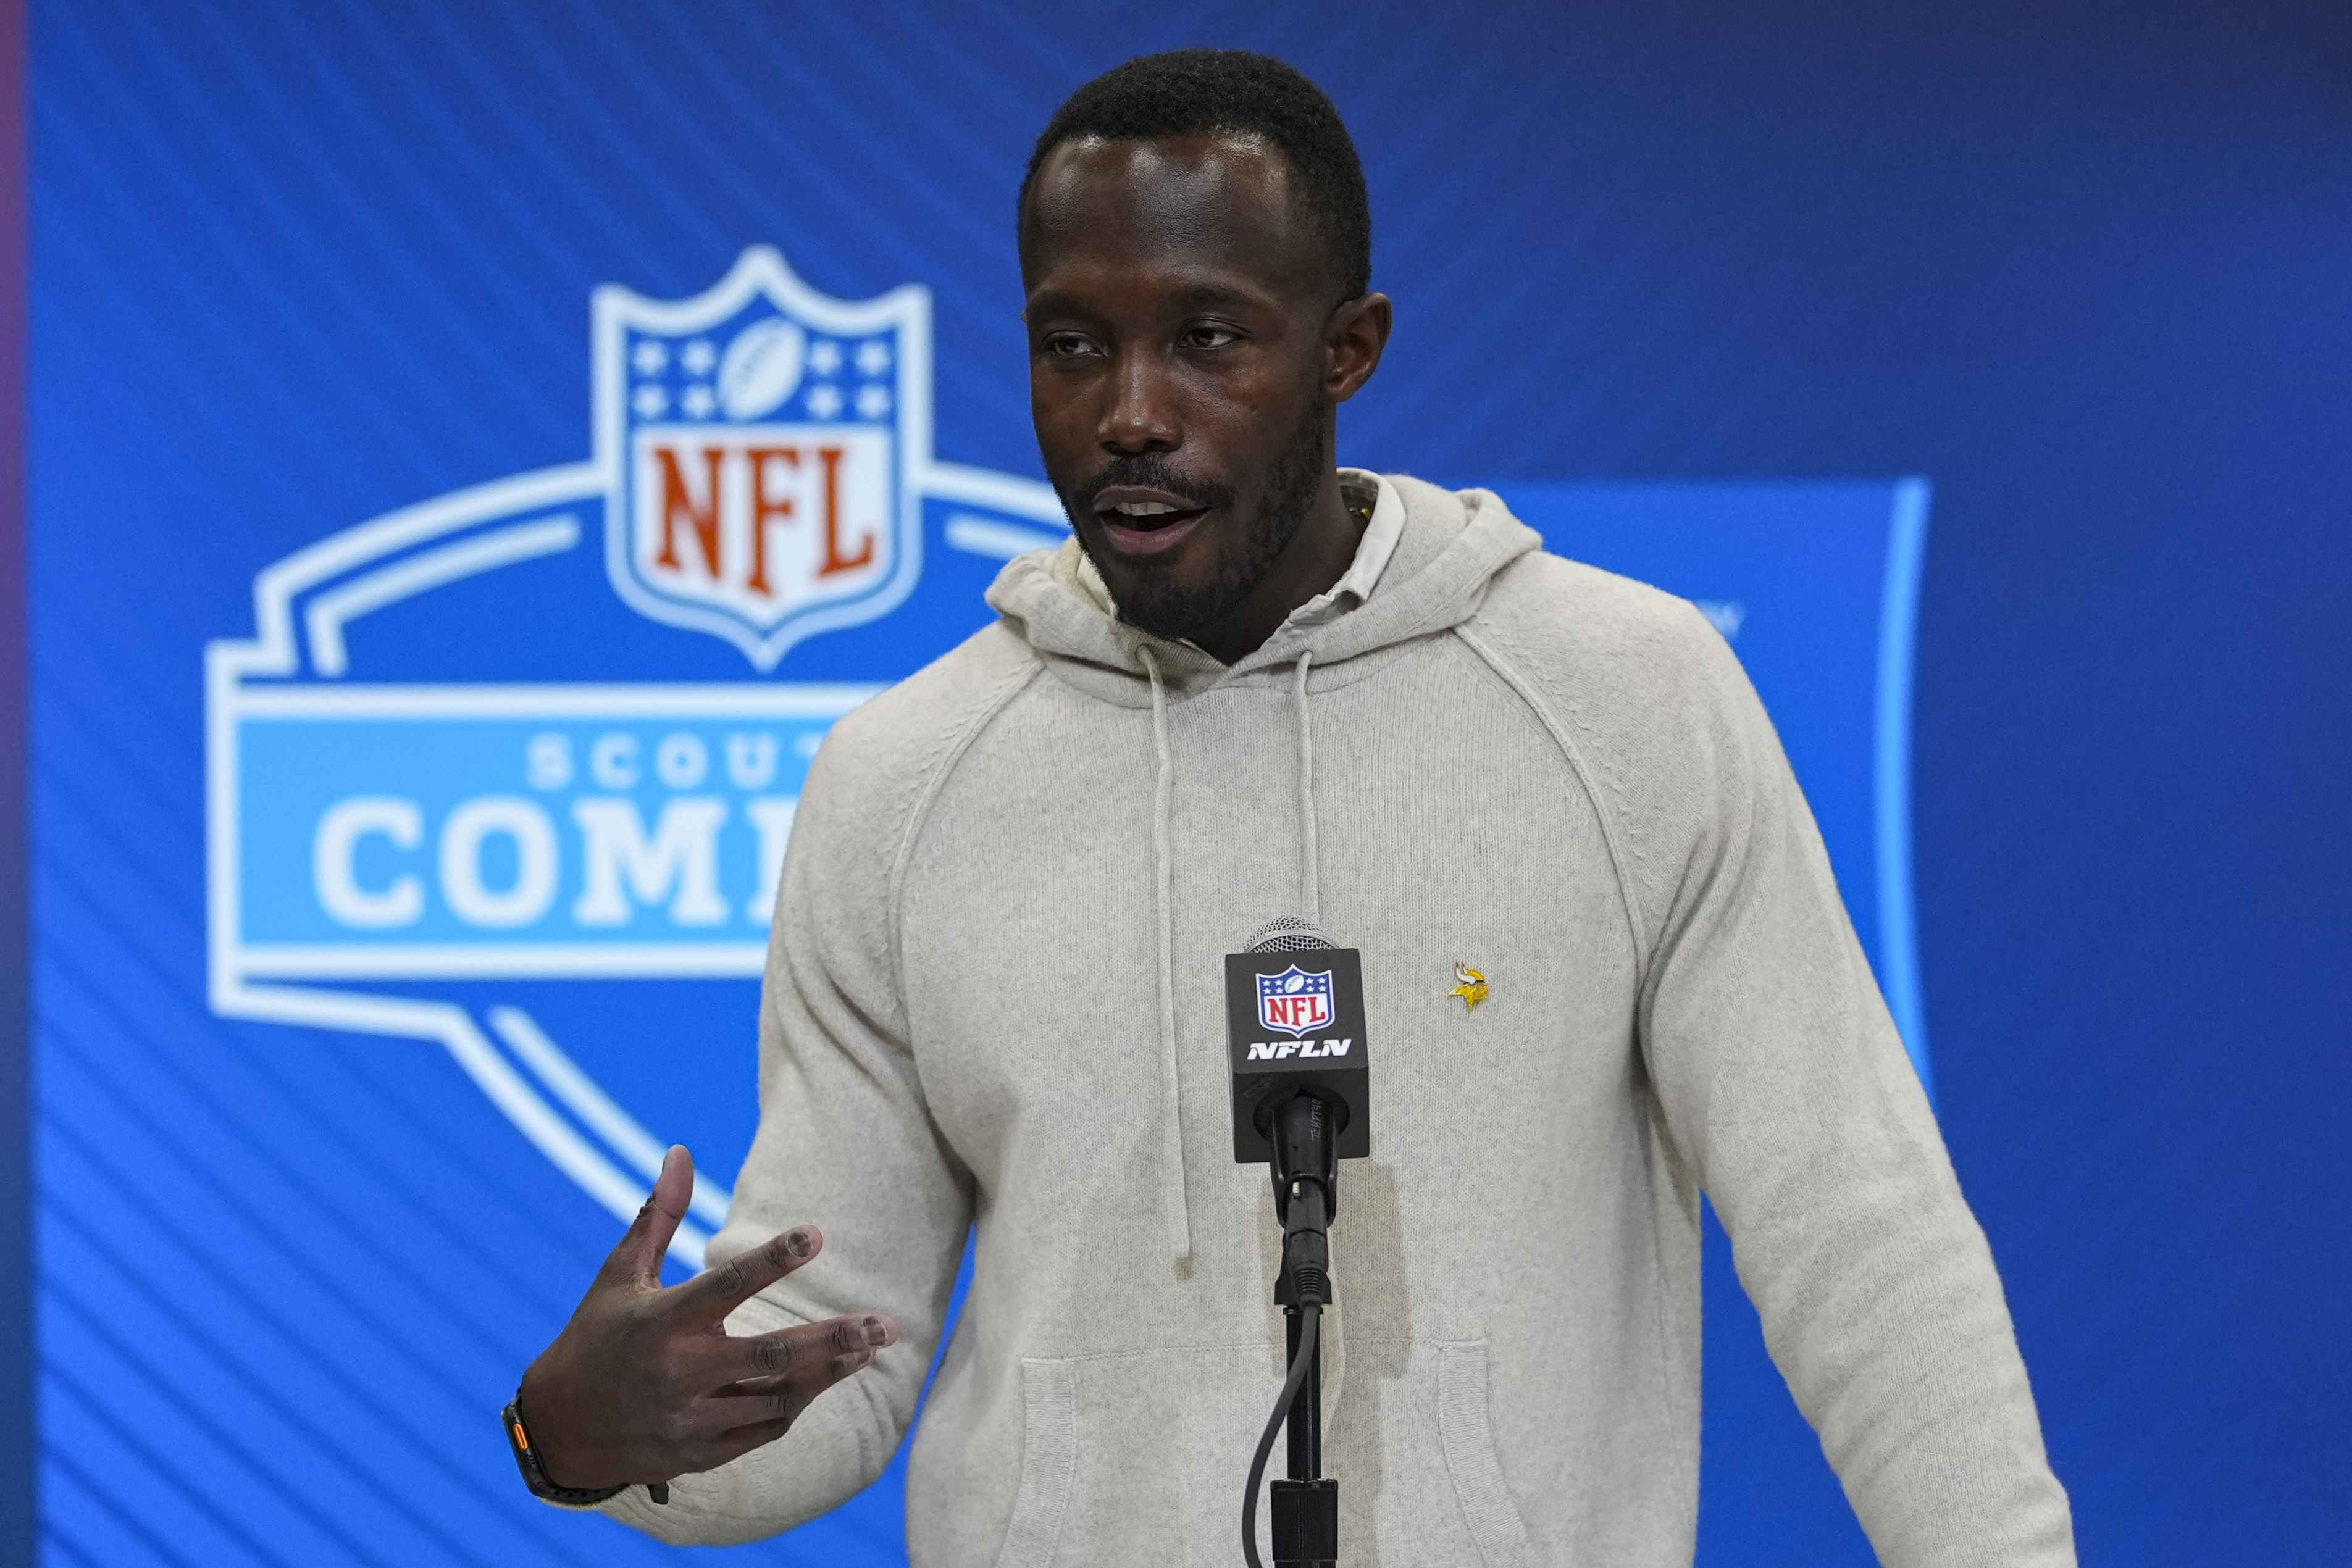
[1178, 308]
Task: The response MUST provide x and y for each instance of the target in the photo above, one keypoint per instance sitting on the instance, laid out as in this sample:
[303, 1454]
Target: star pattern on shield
[657, 368]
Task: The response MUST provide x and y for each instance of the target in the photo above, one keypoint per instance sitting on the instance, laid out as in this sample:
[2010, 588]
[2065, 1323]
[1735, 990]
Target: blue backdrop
[297, 268]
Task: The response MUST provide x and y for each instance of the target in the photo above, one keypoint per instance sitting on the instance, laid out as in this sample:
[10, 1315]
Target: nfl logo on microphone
[1294, 1002]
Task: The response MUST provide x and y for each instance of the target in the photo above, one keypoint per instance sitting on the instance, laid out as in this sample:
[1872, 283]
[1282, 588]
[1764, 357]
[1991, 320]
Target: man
[1254, 686]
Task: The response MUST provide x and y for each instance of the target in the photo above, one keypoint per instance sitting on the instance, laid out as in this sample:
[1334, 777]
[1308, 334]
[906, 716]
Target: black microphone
[1301, 1084]
[1294, 1020]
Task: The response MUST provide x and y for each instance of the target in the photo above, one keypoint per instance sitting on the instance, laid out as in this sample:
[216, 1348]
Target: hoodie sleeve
[845, 1140]
[1781, 1077]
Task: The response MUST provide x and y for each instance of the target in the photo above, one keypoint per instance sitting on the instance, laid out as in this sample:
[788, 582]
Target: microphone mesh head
[1289, 934]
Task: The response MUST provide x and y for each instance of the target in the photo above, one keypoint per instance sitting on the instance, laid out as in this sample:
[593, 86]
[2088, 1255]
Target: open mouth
[1141, 522]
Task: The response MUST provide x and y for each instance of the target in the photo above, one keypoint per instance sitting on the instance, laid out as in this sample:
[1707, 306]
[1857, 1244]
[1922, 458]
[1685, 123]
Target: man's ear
[1353, 341]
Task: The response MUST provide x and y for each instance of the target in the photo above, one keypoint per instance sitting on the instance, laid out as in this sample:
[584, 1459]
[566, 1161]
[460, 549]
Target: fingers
[759, 1387]
[736, 1420]
[714, 1294]
[639, 1255]
[791, 1353]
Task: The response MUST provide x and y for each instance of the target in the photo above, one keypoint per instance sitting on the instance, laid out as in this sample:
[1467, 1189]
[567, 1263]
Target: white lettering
[682, 760]
[614, 760]
[751, 763]
[547, 761]
[1338, 1047]
[1261, 1050]
[684, 851]
[472, 900]
[773, 816]
[1284, 1048]
[332, 851]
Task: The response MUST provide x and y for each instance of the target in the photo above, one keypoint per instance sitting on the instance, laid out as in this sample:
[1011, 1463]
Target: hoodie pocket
[1123, 1453]
[1049, 1457]
[1466, 1432]
[1152, 1447]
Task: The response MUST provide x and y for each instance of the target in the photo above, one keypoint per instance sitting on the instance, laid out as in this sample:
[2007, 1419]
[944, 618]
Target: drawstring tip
[1179, 1231]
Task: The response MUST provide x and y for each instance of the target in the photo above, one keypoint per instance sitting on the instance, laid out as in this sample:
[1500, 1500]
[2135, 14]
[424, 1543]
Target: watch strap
[534, 1474]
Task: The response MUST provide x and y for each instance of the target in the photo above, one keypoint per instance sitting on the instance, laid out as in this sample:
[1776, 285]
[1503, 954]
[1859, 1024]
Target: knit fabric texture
[994, 999]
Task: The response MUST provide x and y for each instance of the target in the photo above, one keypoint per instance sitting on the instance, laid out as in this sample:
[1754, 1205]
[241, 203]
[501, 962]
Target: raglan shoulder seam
[1511, 664]
[932, 774]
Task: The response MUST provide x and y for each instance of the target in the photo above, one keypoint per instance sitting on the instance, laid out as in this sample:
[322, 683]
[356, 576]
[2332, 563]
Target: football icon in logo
[761, 367]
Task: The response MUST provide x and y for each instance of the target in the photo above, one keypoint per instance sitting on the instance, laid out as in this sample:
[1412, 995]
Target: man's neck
[1318, 555]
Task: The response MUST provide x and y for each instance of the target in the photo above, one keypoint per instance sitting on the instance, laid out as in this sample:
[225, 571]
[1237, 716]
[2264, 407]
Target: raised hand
[644, 1384]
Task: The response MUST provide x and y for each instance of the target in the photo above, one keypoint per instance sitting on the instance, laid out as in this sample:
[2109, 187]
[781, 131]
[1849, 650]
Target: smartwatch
[534, 1474]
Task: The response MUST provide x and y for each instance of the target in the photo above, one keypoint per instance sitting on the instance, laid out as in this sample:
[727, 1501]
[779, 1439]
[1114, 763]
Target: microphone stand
[1301, 1117]
[1306, 1508]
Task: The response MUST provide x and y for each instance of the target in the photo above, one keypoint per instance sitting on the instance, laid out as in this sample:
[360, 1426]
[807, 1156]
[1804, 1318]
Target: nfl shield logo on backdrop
[758, 443]
[1294, 1002]
[763, 461]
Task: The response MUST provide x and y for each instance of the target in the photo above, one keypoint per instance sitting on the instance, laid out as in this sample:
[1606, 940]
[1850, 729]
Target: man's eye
[1066, 345]
[1209, 337]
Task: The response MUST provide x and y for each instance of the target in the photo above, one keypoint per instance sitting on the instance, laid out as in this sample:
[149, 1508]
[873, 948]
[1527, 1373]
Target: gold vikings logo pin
[1470, 986]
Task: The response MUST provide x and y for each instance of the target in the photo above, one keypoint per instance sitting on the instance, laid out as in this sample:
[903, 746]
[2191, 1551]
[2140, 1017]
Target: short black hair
[1199, 92]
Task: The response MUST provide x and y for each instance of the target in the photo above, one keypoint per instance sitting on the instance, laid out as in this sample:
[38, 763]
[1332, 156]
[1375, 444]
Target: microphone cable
[1310, 1332]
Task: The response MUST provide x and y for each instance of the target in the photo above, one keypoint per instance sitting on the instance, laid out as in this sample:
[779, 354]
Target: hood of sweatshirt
[1449, 546]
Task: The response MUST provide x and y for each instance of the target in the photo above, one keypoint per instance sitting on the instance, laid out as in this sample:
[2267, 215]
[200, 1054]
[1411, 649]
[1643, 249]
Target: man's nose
[1140, 415]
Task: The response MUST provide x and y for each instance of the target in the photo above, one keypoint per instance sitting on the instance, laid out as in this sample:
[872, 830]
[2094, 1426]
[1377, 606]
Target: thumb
[639, 1255]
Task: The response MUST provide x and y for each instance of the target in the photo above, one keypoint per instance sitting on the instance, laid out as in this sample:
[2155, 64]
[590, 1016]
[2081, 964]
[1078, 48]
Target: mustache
[1146, 470]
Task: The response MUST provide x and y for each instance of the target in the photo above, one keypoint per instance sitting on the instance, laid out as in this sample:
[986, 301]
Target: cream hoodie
[994, 998]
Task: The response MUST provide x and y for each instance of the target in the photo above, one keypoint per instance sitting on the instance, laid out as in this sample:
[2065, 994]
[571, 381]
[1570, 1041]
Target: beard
[1146, 594]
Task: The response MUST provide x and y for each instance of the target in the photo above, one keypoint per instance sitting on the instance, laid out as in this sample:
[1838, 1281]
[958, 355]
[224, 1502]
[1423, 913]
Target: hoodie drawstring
[1310, 881]
[1179, 1215]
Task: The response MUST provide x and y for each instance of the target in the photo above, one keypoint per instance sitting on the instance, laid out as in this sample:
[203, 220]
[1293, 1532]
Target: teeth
[1144, 508]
